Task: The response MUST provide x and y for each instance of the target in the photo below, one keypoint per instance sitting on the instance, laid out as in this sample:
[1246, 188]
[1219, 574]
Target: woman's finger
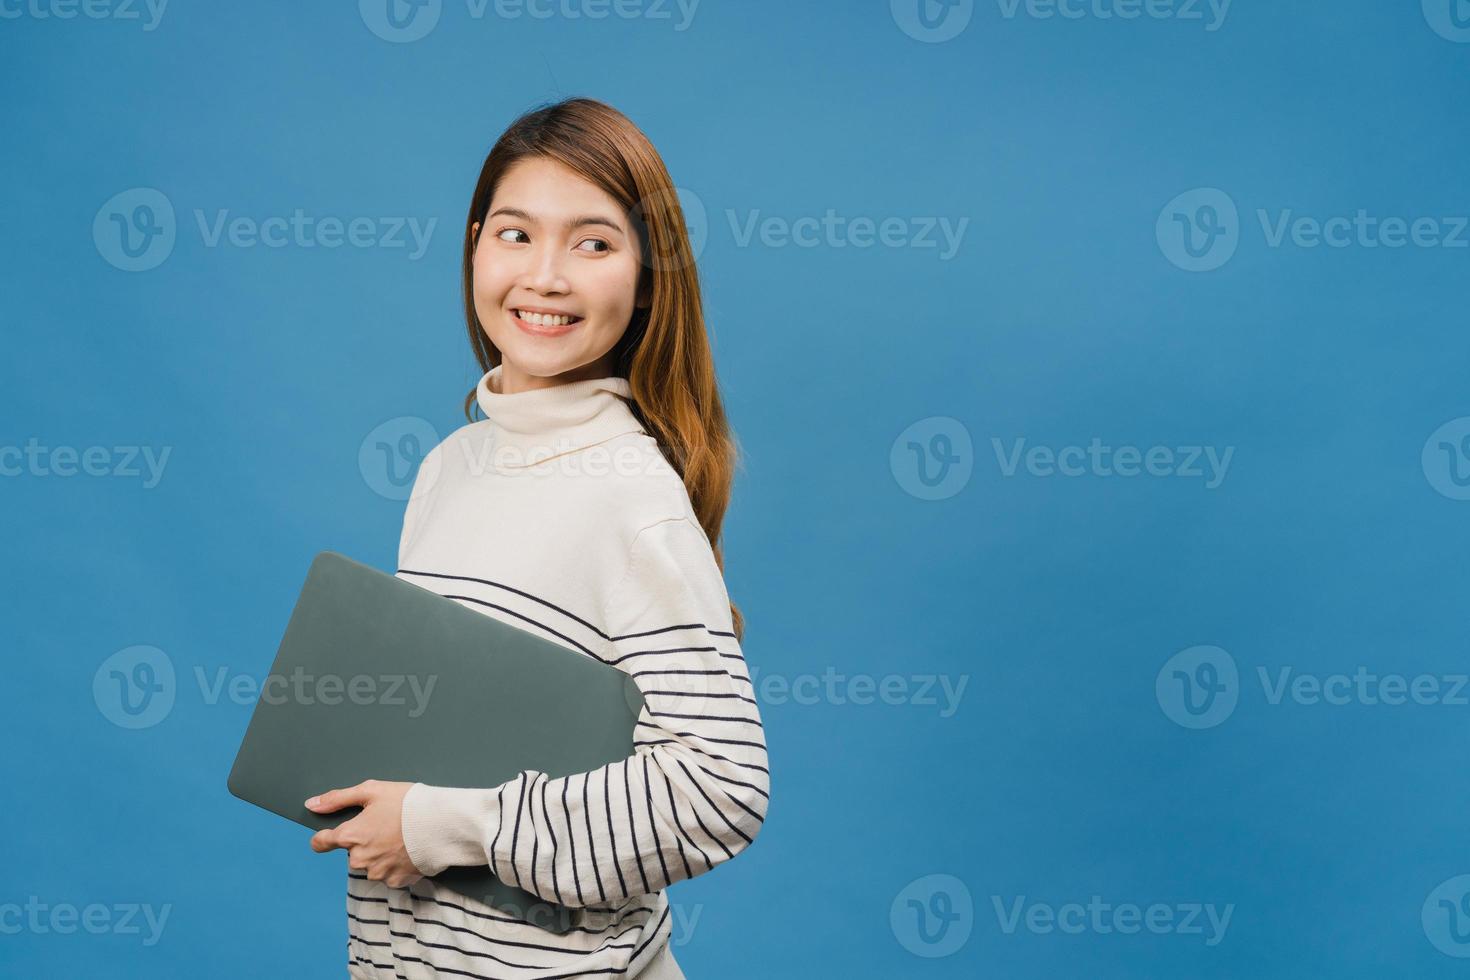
[336, 799]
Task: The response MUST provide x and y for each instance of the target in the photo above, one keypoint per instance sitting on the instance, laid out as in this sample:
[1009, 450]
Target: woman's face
[553, 242]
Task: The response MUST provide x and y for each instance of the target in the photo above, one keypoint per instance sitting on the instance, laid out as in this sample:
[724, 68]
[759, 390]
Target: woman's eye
[509, 231]
[597, 241]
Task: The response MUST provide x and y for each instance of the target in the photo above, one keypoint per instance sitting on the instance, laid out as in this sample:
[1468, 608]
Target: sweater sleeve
[420, 498]
[692, 795]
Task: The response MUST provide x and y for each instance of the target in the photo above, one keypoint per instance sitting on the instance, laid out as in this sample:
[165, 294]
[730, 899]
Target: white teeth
[543, 320]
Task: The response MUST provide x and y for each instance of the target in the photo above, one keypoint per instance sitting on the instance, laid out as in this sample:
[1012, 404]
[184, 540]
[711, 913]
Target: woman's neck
[512, 378]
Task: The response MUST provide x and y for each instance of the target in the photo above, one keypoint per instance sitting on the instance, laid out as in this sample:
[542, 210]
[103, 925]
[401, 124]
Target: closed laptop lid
[379, 678]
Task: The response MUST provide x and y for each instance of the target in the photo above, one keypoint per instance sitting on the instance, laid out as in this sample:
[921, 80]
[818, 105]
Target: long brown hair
[665, 352]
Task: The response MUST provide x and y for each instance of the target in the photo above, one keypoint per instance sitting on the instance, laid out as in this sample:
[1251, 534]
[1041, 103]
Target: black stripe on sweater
[558, 976]
[526, 802]
[591, 841]
[568, 614]
[509, 588]
[711, 755]
[490, 917]
[633, 826]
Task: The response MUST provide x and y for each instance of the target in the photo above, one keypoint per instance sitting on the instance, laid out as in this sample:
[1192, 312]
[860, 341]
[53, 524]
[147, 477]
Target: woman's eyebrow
[575, 222]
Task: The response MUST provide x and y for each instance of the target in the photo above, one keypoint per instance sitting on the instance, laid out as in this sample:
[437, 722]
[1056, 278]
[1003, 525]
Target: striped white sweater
[559, 515]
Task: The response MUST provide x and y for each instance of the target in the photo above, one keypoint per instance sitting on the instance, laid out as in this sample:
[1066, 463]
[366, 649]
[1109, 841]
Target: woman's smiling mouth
[544, 322]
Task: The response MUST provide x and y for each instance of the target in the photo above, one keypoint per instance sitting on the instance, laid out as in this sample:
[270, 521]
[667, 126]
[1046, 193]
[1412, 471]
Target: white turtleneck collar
[545, 422]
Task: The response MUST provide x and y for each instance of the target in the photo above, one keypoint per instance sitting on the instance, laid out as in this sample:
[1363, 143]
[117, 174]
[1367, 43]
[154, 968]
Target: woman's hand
[373, 838]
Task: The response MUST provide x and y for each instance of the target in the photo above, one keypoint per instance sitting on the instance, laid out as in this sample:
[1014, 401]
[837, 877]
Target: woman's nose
[545, 273]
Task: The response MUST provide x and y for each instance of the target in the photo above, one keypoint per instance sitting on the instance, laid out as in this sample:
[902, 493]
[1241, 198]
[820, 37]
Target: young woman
[585, 507]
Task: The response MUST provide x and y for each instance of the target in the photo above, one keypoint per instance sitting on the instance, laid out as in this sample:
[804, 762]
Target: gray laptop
[378, 678]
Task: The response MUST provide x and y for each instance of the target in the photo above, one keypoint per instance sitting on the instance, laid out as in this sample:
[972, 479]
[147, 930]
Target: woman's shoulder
[642, 484]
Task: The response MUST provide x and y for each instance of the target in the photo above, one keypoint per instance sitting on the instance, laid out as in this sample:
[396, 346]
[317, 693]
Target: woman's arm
[692, 795]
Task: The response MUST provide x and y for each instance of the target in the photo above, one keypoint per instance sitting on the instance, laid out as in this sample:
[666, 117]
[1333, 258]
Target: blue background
[1061, 319]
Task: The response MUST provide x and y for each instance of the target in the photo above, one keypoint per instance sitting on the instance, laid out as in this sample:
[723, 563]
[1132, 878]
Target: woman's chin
[536, 363]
